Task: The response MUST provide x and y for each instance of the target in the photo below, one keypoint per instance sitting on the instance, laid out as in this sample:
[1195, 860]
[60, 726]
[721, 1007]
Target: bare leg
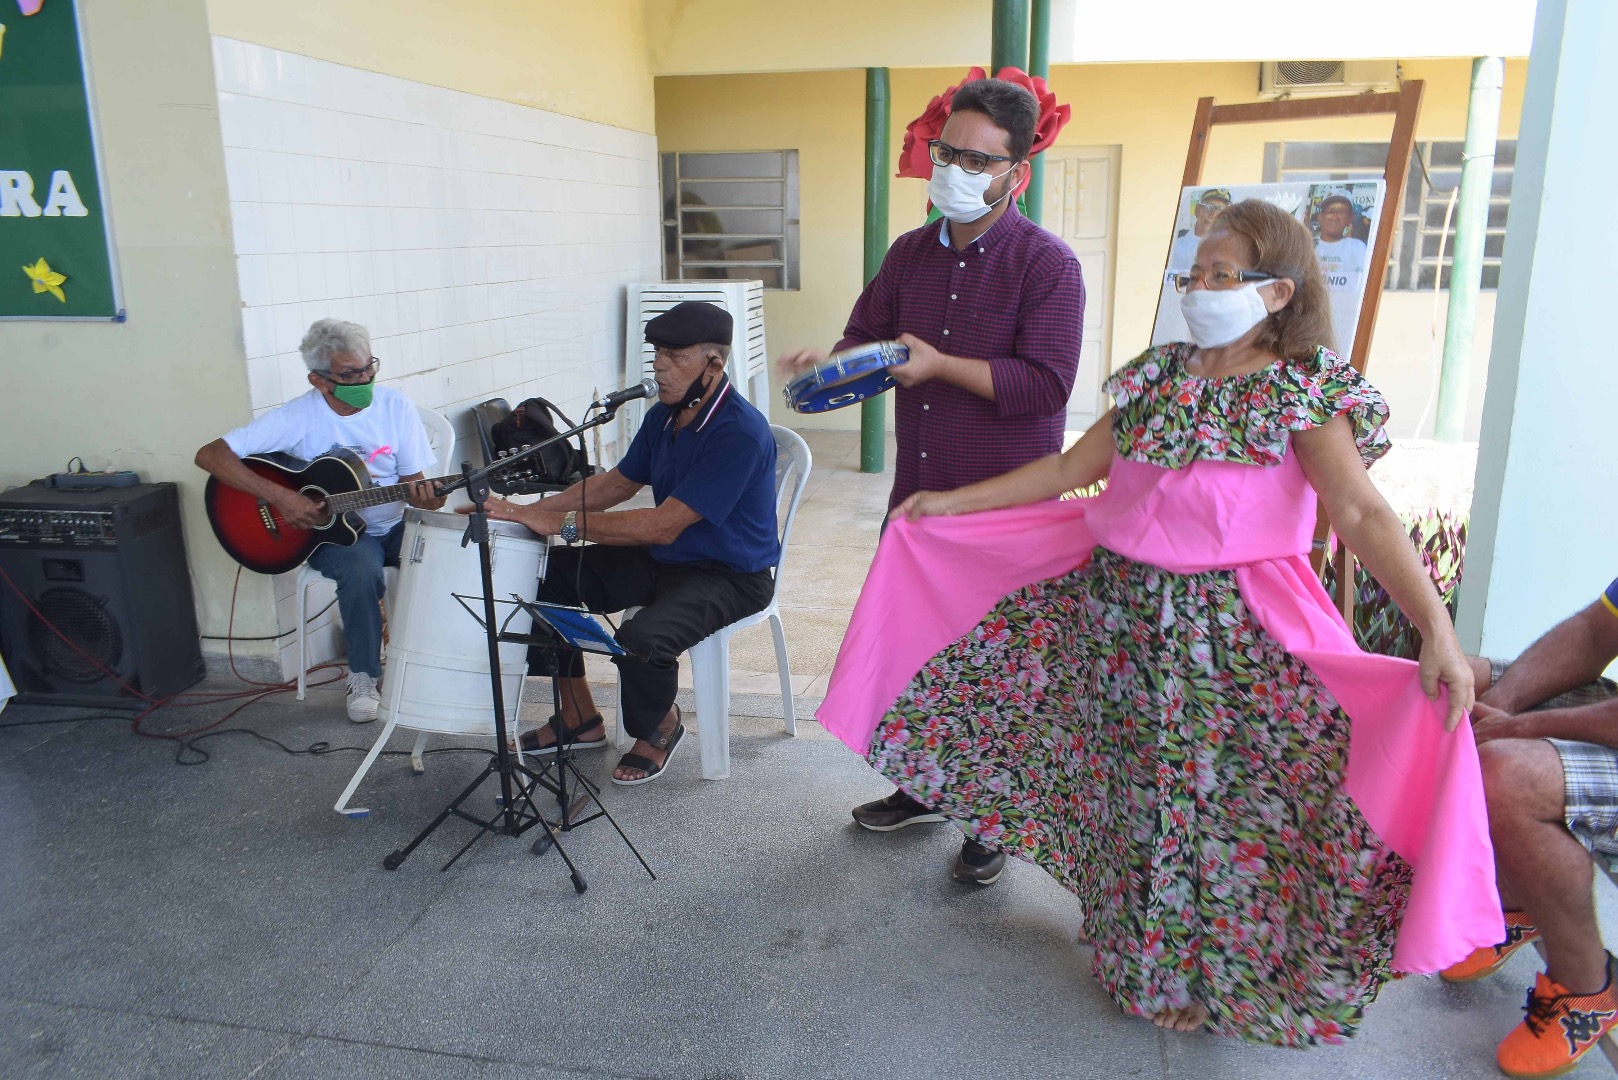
[1549, 872]
[577, 703]
[1482, 674]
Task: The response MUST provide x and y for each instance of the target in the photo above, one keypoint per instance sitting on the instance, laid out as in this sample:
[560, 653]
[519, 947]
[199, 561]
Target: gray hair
[327, 337]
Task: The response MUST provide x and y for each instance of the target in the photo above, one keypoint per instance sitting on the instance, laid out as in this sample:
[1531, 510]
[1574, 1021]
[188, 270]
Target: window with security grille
[1423, 248]
[731, 217]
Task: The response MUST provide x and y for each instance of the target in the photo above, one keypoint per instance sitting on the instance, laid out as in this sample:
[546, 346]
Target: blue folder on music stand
[576, 626]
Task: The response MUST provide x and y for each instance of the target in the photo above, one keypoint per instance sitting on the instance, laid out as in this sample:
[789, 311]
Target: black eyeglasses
[971, 162]
[1219, 279]
[353, 376]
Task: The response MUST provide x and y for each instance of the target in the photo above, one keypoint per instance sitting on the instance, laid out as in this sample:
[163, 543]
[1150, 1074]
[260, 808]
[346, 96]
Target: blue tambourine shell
[846, 377]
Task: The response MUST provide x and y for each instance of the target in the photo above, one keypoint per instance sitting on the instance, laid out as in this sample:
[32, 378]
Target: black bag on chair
[535, 420]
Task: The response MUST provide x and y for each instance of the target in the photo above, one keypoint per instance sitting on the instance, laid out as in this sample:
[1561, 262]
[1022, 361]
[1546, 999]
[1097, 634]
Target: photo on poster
[1340, 216]
[1343, 218]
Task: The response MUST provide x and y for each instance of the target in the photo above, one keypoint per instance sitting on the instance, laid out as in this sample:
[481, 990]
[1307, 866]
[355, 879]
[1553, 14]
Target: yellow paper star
[46, 280]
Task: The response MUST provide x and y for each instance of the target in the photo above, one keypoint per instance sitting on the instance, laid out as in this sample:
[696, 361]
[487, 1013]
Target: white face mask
[1218, 317]
[958, 195]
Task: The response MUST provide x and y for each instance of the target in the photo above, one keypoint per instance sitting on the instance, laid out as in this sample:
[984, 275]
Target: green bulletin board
[55, 251]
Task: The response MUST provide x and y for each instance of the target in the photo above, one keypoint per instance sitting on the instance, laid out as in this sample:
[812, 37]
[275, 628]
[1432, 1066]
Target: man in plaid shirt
[991, 307]
[1547, 728]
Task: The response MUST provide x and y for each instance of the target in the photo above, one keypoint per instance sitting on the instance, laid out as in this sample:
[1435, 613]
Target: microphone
[646, 388]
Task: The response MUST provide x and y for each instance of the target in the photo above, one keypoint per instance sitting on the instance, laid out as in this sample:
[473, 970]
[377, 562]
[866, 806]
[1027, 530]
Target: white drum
[437, 677]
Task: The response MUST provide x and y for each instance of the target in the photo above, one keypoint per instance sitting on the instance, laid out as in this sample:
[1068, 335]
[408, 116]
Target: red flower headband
[913, 159]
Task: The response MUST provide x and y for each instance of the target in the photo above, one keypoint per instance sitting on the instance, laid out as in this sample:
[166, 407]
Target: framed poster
[56, 257]
[1341, 216]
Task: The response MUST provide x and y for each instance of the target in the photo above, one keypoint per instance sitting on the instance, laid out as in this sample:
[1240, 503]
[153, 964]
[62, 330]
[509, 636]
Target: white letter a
[64, 200]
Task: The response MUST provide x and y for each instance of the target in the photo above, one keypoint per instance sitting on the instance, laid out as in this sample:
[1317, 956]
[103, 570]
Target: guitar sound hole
[319, 496]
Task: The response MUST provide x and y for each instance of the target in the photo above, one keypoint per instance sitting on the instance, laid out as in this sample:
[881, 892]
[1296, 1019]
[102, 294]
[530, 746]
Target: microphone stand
[517, 813]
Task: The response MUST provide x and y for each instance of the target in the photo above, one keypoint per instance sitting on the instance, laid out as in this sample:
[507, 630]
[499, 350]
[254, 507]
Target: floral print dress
[1138, 734]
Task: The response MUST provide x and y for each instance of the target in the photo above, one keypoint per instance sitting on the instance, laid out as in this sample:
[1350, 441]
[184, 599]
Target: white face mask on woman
[959, 194]
[1217, 317]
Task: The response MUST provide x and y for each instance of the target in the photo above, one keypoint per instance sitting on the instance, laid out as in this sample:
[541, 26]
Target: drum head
[846, 377]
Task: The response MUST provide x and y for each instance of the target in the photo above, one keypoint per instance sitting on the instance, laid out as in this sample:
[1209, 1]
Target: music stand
[517, 813]
[570, 628]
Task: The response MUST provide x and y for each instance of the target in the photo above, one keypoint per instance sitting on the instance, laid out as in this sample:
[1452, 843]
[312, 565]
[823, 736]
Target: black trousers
[680, 605]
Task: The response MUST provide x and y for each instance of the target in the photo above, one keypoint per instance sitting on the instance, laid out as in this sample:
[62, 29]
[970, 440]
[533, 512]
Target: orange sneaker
[1491, 958]
[1560, 1028]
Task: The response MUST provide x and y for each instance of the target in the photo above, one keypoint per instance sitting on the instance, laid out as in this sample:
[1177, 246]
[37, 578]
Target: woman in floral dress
[1134, 726]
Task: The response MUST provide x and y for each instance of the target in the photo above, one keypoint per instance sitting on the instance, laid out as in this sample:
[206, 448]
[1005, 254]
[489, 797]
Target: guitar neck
[376, 496]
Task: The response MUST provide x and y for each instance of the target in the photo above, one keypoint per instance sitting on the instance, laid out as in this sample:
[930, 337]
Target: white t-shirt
[387, 435]
[1342, 261]
[1184, 252]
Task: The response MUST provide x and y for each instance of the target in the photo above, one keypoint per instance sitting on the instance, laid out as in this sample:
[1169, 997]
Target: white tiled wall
[485, 245]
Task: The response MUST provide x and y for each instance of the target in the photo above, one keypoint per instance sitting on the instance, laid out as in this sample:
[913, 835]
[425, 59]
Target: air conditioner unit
[1302, 78]
[749, 364]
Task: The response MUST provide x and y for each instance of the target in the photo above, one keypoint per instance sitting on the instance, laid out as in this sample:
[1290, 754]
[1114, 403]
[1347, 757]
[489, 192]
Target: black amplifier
[107, 572]
[52, 523]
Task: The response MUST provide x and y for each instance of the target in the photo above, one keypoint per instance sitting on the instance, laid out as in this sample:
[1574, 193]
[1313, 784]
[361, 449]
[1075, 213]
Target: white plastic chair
[710, 657]
[441, 437]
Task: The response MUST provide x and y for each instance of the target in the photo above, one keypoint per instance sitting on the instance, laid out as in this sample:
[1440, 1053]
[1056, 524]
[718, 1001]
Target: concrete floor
[222, 921]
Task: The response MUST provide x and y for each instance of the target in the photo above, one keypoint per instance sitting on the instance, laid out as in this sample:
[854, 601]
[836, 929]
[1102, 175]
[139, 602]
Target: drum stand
[518, 783]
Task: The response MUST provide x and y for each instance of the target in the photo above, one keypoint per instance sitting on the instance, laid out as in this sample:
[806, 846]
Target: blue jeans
[357, 570]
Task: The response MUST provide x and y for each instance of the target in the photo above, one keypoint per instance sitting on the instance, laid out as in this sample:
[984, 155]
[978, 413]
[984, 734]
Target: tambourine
[846, 377]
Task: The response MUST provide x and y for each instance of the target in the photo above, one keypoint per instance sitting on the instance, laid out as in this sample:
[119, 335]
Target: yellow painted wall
[146, 393]
[718, 37]
[579, 59]
[1144, 108]
[710, 37]
[822, 116]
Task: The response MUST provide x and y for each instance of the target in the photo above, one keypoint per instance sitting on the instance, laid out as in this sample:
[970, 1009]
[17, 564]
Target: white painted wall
[1543, 520]
[485, 245]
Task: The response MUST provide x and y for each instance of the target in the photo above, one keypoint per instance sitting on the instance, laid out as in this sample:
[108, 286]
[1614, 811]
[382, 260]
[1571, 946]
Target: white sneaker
[363, 700]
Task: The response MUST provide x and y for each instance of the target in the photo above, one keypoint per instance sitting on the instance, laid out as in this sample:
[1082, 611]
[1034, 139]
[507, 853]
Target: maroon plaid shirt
[1014, 298]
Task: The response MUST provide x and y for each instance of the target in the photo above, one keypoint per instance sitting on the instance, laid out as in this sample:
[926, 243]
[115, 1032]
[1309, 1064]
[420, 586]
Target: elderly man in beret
[698, 560]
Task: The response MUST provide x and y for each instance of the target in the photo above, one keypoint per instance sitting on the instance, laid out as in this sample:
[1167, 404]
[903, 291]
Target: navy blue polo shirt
[722, 465]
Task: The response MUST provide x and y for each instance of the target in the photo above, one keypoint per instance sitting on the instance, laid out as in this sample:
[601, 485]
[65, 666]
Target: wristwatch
[570, 527]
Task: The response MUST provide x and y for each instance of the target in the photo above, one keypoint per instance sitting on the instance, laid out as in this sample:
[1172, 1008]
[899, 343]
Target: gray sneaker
[363, 700]
[894, 812]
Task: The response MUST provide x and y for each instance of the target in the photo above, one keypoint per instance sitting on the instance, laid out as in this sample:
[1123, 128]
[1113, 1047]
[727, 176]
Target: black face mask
[693, 393]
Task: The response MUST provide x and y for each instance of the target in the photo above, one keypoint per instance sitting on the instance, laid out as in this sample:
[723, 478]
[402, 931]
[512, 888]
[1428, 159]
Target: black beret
[690, 323]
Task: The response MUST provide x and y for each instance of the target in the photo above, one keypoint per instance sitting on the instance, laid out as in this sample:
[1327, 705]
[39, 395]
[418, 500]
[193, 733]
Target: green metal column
[1010, 45]
[1039, 63]
[1466, 271]
[873, 410]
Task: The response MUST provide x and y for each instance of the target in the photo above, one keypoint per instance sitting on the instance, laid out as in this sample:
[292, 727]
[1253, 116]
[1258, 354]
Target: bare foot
[647, 750]
[1189, 1018]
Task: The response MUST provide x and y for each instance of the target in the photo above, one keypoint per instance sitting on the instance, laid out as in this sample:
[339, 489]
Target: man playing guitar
[345, 409]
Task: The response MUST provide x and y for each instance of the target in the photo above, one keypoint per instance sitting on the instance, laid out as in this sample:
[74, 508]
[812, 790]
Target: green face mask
[358, 397]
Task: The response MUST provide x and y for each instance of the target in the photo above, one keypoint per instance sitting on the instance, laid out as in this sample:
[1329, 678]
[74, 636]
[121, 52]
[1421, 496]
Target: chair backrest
[485, 415]
[440, 436]
[792, 464]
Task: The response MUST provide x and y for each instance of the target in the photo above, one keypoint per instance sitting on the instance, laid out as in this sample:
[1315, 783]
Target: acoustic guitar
[256, 535]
